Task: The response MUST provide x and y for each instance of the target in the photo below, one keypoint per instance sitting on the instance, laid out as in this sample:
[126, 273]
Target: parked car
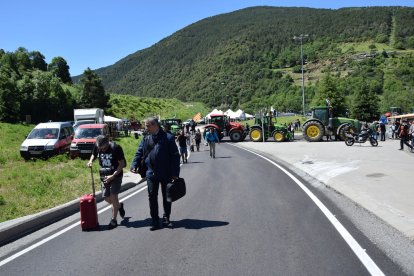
[82, 122]
[188, 121]
[85, 139]
[47, 139]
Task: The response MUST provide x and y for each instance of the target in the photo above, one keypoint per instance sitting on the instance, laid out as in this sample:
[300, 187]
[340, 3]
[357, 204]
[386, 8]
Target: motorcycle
[360, 138]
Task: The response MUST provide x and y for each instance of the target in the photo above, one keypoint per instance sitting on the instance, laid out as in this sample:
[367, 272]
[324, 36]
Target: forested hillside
[248, 58]
[33, 91]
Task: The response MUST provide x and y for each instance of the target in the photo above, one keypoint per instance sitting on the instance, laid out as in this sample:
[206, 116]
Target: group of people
[159, 154]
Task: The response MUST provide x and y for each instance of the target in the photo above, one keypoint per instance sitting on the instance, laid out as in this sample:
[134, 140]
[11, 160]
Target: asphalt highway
[242, 215]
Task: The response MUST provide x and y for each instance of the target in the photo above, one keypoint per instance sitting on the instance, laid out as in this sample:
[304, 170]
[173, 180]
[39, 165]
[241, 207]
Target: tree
[22, 59]
[328, 90]
[38, 60]
[59, 68]
[9, 98]
[365, 104]
[93, 93]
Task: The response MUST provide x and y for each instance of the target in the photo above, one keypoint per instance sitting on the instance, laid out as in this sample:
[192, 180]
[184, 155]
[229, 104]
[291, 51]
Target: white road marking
[30, 248]
[353, 244]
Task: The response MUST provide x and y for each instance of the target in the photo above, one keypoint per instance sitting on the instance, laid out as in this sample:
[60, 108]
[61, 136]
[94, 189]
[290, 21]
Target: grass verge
[28, 187]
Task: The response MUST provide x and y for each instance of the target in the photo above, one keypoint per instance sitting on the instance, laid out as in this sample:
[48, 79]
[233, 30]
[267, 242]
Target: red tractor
[224, 127]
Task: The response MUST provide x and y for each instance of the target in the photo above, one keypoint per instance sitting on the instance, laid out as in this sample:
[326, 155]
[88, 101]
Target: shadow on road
[198, 224]
[135, 224]
[185, 223]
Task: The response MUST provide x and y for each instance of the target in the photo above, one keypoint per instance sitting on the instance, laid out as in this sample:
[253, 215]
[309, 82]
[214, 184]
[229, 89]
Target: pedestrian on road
[182, 144]
[197, 138]
[212, 139]
[112, 161]
[163, 165]
[193, 126]
[393, 131]
[404, 138]
[382, 131]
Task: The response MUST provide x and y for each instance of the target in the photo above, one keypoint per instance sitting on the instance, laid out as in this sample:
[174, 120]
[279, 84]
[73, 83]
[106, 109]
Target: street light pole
[301, 37]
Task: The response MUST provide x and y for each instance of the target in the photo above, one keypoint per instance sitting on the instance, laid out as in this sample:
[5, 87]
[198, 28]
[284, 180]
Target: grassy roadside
[33, 186]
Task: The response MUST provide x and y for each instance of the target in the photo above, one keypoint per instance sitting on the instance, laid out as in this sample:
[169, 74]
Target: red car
[85, 139]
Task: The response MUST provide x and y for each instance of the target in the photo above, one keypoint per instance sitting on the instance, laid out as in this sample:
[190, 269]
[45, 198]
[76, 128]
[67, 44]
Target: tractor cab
[267, 122]
[173, 124]
[219, 120]
[321, 113]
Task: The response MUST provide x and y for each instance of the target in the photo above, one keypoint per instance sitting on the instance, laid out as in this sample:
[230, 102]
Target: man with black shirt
[112, 161]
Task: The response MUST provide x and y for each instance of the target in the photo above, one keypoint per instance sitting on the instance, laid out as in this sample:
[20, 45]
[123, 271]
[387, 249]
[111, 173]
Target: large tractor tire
[279, 136]
[313, 131]
[236, 136]
[256, 135]
[343, 128]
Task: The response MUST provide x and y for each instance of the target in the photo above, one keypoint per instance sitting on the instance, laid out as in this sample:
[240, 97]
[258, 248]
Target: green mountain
[249, 58]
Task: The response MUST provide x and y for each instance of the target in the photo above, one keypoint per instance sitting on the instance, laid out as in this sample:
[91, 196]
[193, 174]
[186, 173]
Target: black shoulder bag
[176, 189]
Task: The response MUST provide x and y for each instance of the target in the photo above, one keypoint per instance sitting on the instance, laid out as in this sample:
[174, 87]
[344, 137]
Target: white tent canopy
[215, 111]
[110, 119]
[231, 114]
[243, 115]
[239, 114]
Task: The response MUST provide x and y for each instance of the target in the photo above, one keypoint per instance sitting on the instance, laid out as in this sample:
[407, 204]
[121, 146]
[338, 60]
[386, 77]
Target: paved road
[238, 218]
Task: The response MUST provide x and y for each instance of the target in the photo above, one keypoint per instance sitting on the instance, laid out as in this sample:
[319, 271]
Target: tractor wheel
[279, 136]
[235, 136]
[313, 131]
[345, 128]
[256, 135]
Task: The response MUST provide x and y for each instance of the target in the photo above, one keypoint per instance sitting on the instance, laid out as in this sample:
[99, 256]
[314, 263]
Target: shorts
[114, 188]
[183, 150]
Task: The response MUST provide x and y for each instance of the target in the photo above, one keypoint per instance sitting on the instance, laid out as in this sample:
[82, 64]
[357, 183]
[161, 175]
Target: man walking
[404, 138]
[112, 161]
[160, 153]
[212, 138]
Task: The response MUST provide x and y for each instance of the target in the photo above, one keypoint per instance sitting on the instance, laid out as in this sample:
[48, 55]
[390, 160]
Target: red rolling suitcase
[88, 210]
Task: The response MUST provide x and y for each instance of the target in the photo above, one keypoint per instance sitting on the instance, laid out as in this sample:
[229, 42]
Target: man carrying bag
[160, 154]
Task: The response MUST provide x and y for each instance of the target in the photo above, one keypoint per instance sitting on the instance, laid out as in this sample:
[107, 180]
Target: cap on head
[101, 140]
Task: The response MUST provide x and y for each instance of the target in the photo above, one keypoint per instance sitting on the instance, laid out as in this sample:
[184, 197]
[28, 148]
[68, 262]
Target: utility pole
[301, 37]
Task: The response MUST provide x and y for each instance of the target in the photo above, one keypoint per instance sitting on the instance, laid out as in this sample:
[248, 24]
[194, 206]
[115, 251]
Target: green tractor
[173, 124]
[323, 123]
[279, 132]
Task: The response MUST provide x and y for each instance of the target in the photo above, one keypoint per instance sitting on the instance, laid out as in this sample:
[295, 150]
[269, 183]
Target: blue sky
[92, 33]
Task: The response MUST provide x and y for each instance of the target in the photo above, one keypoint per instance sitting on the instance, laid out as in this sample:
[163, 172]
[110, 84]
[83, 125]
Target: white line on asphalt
[353, 244]
[30, 248]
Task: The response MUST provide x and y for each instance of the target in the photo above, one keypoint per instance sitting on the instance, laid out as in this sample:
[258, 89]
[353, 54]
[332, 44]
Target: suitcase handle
[93, 183]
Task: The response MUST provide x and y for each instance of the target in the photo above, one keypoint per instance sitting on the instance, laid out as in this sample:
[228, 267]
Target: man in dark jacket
[163, 165]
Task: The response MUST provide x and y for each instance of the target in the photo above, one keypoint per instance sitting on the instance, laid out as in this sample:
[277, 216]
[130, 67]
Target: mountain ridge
[233, 58]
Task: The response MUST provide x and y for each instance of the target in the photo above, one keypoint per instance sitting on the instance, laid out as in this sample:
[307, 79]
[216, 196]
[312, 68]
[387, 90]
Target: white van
[47, 139]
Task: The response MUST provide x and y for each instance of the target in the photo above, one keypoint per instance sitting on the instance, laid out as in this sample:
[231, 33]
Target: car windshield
[83, 122]
[44, 133]
[87, 132]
